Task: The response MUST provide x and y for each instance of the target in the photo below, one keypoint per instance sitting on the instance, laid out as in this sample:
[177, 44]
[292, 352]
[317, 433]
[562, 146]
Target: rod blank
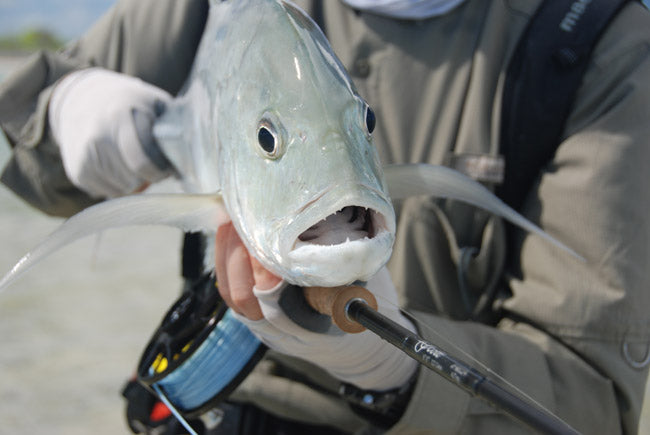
[456, 371]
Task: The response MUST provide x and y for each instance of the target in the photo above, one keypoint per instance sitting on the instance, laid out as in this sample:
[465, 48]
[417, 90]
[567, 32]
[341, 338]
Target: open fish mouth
[348, 224]
[348, 245]
[339, 237]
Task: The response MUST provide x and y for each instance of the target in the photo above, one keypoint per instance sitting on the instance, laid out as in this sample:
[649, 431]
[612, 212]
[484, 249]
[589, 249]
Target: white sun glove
[102, 123]
[363, 359]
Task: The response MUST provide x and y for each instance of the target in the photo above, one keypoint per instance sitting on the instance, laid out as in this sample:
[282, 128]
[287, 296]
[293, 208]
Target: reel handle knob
[333, 301]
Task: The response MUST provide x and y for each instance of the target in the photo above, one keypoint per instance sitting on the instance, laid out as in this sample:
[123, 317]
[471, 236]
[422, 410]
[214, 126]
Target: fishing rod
[354, 309]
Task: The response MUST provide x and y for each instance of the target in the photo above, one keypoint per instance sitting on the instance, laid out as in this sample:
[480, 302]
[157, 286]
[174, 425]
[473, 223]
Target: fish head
[300, 176]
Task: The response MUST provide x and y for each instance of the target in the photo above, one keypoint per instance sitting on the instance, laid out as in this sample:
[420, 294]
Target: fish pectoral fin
[405, 180]
[187, 212]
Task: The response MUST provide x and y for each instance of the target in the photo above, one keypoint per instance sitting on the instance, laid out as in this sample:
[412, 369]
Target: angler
[281, 148]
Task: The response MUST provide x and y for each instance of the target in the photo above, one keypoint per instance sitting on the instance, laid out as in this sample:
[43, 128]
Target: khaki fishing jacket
[573, 335]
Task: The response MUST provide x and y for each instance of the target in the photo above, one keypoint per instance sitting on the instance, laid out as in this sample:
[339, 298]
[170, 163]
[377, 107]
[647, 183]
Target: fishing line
[465, 354]
[173, 410]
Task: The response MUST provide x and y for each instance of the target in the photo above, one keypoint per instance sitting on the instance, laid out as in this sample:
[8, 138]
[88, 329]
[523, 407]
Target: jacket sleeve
[151, 39]
[575, 335]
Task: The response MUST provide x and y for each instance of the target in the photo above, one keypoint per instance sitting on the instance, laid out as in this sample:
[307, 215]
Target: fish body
[264, 67]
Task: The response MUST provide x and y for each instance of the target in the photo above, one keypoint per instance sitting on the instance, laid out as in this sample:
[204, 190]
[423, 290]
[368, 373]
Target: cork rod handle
[332, 301]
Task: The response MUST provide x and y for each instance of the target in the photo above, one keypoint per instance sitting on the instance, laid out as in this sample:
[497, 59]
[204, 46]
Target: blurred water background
[72, 330]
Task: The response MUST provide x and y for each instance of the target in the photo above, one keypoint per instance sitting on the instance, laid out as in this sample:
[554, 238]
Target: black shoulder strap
[541, 82]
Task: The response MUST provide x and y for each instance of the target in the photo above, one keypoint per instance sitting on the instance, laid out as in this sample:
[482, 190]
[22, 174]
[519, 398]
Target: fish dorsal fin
[405, 180]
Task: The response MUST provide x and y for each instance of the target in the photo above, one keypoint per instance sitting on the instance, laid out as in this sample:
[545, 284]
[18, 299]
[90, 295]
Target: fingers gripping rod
[353, 309]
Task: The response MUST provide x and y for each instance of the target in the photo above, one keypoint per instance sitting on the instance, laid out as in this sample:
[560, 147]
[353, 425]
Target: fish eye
[370, 119]
[268, 139]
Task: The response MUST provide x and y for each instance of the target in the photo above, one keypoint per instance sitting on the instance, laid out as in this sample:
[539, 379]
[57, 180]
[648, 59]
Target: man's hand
[102, 122]
[238, 272]
[254, 294]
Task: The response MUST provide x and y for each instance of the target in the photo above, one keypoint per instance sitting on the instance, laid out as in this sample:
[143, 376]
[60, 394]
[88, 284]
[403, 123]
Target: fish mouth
[348, 224]
[348, 240]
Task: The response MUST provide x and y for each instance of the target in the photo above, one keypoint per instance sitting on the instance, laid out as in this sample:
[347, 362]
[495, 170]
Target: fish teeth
[348, 223]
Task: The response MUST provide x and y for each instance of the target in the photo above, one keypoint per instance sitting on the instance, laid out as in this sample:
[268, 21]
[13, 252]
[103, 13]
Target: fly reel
[200, 352]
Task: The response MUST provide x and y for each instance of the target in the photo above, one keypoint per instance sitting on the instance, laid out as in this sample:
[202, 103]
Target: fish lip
[353, 261]
[379, 204]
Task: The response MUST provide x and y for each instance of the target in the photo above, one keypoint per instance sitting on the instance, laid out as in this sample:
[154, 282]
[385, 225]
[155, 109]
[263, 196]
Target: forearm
[155, 42]
[34, 171]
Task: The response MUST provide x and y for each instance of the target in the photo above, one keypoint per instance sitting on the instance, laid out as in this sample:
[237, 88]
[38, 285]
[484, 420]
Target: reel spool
[199, 353]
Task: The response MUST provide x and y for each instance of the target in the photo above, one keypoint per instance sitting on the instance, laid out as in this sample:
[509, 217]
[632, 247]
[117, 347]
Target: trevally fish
[269, 132]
